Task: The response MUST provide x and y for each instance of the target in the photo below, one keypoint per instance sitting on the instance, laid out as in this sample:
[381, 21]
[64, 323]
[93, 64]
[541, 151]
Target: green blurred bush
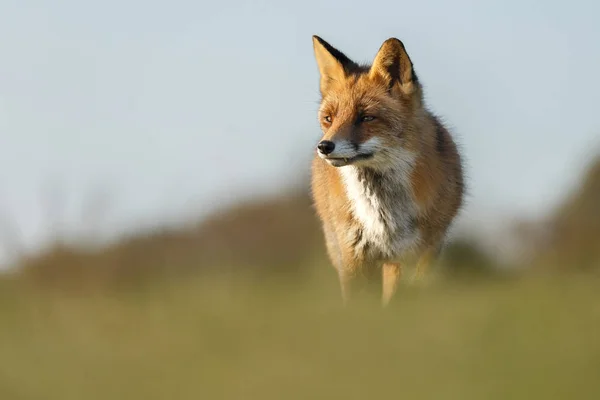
[281, 235]
[570, 238]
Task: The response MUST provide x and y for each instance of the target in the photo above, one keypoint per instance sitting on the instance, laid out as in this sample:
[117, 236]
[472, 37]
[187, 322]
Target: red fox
[387, 178]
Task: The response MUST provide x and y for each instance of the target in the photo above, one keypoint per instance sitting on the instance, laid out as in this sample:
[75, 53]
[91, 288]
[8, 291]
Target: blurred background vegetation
[245, 305]
[282, 236]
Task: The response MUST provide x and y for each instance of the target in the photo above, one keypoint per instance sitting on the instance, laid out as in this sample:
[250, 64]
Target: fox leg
[348, 282]
[392, 272]
[341, 261]
[424, 263]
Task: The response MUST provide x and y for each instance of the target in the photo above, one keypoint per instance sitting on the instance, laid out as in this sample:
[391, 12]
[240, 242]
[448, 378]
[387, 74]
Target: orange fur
[391, 181]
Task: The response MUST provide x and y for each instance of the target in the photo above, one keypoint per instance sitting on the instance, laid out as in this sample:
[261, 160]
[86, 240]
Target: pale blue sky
[174, 108]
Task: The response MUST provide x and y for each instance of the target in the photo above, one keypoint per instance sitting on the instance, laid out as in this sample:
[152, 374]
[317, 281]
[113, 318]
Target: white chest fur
[383, 205]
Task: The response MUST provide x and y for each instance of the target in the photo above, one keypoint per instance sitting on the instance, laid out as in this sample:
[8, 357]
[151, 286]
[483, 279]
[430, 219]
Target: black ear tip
[318, 39]
[414, 76]
[395, 41]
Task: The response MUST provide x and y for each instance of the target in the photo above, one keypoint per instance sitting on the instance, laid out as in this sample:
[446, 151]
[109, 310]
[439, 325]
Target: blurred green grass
[223, 338]
[244, 305]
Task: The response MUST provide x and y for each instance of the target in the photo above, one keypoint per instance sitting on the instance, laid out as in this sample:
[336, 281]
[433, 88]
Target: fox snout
[337, 148]
[341, 152]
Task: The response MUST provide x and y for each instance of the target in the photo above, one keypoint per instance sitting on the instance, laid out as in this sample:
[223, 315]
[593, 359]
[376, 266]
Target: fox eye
[367, 118]
[327, 118]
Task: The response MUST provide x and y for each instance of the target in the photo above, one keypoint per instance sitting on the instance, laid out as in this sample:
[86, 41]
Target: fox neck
[381, 202]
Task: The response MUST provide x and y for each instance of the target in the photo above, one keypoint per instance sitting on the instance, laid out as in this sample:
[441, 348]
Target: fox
[387, 178]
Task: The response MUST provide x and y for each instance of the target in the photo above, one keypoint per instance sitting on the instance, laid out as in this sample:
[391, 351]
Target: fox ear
[332, 63]
[393, 64]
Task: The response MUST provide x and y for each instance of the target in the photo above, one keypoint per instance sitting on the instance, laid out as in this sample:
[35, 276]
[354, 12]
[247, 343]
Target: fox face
[369, 115]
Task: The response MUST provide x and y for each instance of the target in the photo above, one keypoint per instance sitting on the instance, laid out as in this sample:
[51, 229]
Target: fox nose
[326, 147]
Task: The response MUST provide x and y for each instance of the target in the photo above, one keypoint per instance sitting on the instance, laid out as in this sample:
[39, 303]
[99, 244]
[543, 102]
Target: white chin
[339, 162]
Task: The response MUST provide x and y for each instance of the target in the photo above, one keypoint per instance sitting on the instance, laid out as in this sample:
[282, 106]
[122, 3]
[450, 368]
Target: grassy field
[216, 338]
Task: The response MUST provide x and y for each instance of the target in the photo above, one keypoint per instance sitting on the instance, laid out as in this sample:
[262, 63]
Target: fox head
[369, 114]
